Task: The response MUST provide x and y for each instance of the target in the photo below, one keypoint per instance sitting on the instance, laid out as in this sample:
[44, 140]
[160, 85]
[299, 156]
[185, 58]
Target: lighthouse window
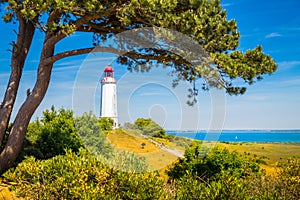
[109, 74]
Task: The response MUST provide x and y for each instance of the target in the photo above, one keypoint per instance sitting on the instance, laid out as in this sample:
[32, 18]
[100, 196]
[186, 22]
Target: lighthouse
[109, 96]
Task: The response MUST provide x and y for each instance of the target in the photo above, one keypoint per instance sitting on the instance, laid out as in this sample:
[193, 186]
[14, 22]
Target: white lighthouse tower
[109, 95]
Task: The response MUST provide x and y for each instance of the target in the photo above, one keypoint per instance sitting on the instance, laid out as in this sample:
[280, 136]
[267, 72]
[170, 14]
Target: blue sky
[272, 103]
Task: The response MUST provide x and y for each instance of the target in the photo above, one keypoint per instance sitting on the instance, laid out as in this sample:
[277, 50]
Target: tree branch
[95, 28]
[78, 24]
[54, 14]
[133, 55]
[75, 52]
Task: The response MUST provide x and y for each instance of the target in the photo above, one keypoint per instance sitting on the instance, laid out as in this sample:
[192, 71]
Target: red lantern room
[108, 71]
[108, 75]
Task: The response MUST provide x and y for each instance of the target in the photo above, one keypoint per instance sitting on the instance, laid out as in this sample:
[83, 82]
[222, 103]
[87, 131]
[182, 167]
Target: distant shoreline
[280, 136]
[201, 130]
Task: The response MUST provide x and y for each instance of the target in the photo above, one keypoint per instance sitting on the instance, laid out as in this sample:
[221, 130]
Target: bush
[227, 187]
[211, 166]
[289, 179]
[183, 141]
[56, 132]
[150, 128]
[92, 131]
[81, 176]
[224, 175]
[51, 135]
[106, 124]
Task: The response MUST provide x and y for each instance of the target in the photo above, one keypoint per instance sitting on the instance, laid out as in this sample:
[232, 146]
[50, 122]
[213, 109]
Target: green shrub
[51, 135]
[226, 187]
[183, 141]
[92, 133]
[210, 166]
[106, 124]
[150, 128]
[81, 176]
[289, 179]
[224, 175]
[57, 133]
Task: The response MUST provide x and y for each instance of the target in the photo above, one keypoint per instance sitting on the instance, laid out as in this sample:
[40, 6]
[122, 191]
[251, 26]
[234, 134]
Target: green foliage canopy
[54, 133]
[91, 130]
[106, 124]
[204, 21]
[211, 166]
[81, 176]
[149, 127]
[226, 175]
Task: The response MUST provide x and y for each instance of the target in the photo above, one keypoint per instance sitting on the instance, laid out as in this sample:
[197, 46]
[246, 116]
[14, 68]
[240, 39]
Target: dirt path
[163, 147]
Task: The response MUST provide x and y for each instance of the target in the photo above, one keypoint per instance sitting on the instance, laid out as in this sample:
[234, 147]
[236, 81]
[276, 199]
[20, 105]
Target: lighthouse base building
[108, 106]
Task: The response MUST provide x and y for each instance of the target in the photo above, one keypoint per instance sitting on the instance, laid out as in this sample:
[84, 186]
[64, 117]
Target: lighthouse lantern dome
[108, 75]
[108, 69]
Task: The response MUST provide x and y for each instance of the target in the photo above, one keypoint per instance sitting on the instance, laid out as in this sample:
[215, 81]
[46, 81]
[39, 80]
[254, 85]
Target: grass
[159, 159]
[274, 152]
[270, 153]
[130, 141]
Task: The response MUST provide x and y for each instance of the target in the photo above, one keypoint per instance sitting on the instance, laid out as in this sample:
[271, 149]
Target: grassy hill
[268, 154]
[131, 141]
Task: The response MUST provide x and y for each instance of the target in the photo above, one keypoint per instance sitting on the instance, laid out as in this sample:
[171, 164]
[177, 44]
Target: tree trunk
[20, 124]
[19, 55]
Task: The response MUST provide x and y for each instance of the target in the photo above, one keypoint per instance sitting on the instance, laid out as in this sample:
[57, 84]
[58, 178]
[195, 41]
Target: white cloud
[62, 86]
[66, 69]
[291, 82]
[289, 64]
[227, 4]
[274, 34]
[4, 75]
[63, 63]
[151, 93]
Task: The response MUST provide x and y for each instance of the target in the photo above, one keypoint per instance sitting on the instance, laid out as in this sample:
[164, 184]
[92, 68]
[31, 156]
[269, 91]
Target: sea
[242, 135]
